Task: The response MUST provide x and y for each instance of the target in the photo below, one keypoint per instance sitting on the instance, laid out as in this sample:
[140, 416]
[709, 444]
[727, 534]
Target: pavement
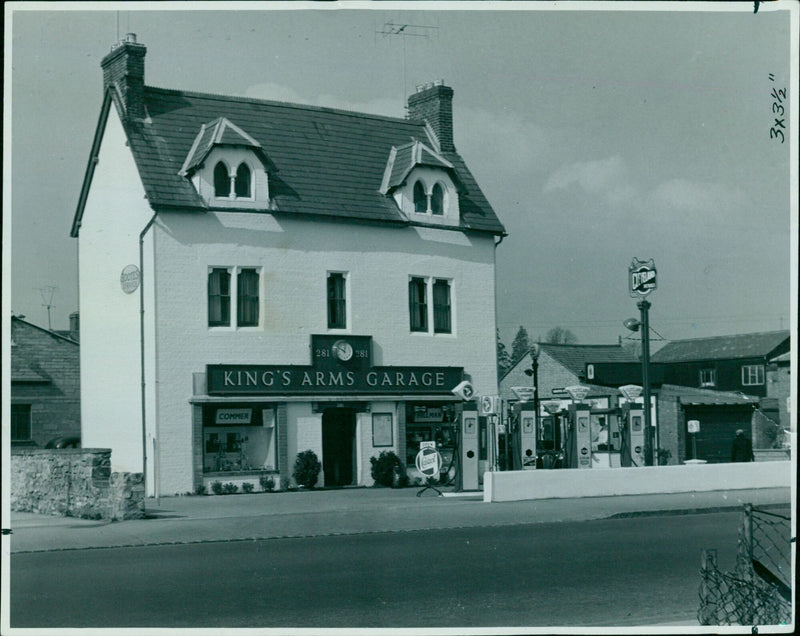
[244, 517]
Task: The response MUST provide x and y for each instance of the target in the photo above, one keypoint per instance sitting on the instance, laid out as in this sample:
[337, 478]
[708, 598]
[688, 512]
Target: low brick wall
[74, 483]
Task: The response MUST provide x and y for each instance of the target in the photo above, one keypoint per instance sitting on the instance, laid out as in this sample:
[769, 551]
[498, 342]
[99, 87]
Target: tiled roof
[575, 357]
[690, 396]
[328, 162]
[749, 345]
[405, 158]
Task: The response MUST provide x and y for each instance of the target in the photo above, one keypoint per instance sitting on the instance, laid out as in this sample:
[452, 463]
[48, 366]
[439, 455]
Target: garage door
[718, 426]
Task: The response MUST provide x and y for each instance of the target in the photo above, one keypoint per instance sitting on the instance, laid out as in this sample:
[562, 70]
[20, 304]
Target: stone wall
[74, 483]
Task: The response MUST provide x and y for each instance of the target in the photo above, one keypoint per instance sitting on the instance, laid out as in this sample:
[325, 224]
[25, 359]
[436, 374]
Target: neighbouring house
[260, 278]
[724, 363]
[777, 404]
[45, 385]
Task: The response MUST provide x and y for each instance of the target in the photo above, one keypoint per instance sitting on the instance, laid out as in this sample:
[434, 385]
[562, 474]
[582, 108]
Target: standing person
[742, 450]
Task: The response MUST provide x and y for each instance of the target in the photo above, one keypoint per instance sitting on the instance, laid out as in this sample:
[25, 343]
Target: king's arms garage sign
[298, 380]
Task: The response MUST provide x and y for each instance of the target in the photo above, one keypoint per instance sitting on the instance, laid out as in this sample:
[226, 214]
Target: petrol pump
[580, 442]
[632, 429]
[469, 446]
[524, 414]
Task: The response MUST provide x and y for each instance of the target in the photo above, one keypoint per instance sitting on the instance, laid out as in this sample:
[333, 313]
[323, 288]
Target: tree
[560, 335]
[521, 344]
[503, 359]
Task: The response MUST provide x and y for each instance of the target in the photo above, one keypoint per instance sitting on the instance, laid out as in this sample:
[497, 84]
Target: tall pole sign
[641, 281]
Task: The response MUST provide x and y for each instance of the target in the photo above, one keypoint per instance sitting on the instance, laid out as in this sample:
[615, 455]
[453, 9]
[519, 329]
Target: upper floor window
[432, 202]
[219, 298]
[242, 183]
[441, 306]
[21, 423]
[420, 198]
[337, 301]
[437, 200]
[752, 374]
[430, 302]
[418, 304]
[233, 303]
[222, 181]
[708, 377]
[247, 301]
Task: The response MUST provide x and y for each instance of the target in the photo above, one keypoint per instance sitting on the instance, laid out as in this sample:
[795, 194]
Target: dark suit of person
[742, 450]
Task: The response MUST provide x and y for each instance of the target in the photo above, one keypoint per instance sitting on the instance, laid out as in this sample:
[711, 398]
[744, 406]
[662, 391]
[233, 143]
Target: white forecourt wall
[560, 484]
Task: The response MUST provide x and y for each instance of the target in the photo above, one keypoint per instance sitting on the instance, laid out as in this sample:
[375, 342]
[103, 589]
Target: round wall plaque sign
[129, 279]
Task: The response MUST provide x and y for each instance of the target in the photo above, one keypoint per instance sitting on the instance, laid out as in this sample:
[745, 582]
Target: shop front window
[431, 422]
[238, 438]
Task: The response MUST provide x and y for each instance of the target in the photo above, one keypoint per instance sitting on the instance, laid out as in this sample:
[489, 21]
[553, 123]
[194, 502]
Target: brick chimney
[123, 67]
[74, 326]
[434, 104]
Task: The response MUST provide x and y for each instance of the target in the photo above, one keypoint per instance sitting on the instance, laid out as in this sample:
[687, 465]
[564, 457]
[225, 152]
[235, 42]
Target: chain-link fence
[759, 589]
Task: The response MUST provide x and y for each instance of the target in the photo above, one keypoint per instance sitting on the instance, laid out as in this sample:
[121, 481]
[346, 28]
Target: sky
[598, 135]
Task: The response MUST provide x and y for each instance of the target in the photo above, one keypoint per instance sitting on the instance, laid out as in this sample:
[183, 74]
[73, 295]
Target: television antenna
[47, 293]
[406, 31]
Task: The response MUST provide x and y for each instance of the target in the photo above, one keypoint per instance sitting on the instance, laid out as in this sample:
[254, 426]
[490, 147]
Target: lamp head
[632, 324]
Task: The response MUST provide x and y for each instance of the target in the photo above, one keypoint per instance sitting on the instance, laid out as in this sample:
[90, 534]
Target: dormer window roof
[220, 132]
[403, 159]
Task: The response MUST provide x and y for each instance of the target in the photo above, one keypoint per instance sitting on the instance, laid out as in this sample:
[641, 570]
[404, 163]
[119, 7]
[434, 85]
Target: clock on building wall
[342, 350]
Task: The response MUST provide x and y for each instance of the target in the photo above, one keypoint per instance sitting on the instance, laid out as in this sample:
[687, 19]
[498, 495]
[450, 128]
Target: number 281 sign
[641, 277]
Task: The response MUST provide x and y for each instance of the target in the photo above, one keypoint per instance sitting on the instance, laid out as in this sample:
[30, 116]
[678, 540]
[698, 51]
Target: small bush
[664, 455]
[388, 470]
[200, 490]
[216, 487]
[247, 487]
[306, 468]
[230, 488]
[267, 482]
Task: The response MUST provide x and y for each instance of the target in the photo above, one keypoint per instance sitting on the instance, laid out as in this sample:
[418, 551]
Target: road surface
[639, 570]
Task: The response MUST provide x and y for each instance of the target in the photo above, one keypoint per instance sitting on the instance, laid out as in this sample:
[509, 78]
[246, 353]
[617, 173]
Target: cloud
[608, 178]
[684, 195]
[482, 136]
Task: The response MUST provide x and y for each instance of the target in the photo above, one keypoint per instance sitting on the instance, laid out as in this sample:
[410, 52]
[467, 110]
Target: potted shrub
[387, 470]
[306, 469]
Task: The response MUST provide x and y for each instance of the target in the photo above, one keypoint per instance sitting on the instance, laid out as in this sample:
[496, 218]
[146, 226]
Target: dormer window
[424, 185]
[228, 167]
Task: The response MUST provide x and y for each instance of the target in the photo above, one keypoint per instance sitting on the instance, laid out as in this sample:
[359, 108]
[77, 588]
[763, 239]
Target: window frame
[418, 305]
[747, 374]
[242, 296]
[18, 412]
[432, 199]
[235, 307]
[250, 180]
[226, 167]
[710, 379]
[340, 306]
[447, 311]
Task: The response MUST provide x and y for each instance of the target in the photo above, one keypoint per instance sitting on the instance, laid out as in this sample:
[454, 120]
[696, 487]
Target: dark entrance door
[338, 446]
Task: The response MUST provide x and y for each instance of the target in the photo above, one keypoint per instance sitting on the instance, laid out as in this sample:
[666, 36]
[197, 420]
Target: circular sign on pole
[429, 462]
[129, 279]
[641, 277]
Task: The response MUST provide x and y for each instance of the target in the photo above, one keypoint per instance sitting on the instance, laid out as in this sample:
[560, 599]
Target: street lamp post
[635, 325]
[534, 372]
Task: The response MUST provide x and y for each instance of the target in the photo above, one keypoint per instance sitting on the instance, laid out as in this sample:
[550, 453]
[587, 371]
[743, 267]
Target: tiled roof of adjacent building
[325, 162]
[575, 357]
[749, 345]
[690, 396]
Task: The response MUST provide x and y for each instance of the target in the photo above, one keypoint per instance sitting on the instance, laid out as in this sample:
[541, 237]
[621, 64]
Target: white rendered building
[260, 278]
